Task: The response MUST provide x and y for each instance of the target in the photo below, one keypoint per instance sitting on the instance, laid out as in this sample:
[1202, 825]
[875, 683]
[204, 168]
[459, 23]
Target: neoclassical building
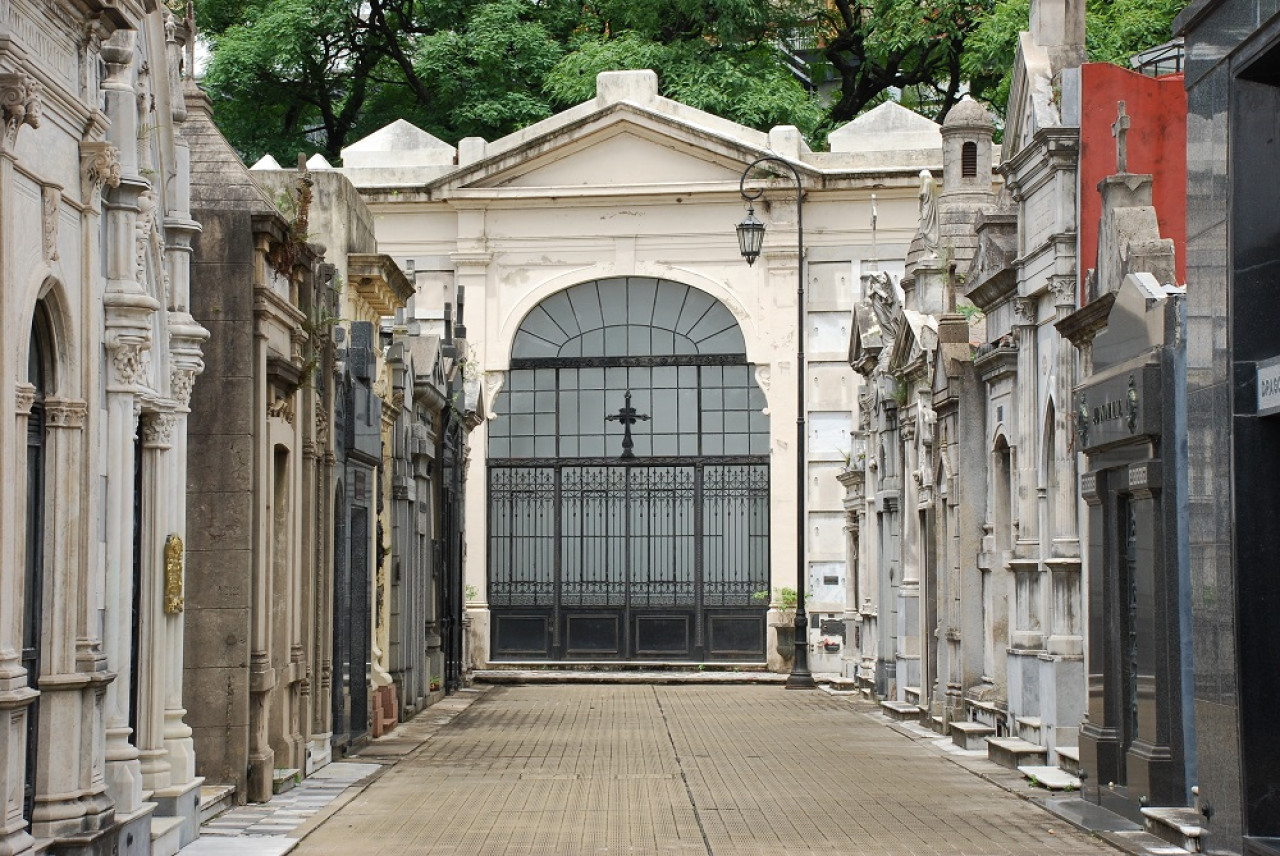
[631, 493]
[98, 369]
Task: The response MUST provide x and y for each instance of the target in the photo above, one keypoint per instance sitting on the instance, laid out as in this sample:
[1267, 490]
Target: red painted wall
[1156, 144]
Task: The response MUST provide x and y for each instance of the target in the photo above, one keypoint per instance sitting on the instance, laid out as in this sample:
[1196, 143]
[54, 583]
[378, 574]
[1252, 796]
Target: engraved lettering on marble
[48, 49]
[173, 599]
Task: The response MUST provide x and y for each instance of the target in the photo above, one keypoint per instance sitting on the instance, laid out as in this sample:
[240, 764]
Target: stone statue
[928, 228]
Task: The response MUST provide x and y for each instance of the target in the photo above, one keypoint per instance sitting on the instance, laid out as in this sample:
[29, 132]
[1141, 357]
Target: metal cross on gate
[627, 416]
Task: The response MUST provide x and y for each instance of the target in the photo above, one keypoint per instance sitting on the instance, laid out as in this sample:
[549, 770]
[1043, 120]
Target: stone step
[1179, 826]
[971, 735]
[938, 724]
[912, 694]
[1052, 778]
[1069, 759]
[1014, 752]
[283, 780]
[215, 799]
[1029, 728]
[166, 835]
[900, 711]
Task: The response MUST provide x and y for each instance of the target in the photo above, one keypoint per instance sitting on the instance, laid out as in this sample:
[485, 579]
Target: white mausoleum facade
[596, 255]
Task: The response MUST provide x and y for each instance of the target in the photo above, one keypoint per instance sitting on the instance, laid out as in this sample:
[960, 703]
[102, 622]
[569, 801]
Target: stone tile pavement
[732, 770]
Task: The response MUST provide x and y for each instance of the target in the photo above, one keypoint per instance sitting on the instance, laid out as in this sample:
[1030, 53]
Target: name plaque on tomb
[1118, 409]
[1269, 386]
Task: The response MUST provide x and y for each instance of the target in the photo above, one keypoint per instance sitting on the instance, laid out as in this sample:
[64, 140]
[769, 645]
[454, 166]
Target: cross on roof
[1118, 130]
[628, 416]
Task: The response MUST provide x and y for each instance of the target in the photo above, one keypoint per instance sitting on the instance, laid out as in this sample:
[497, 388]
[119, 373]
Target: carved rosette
[157, 430]
[64, 413]
[20, 104]
[99, 167]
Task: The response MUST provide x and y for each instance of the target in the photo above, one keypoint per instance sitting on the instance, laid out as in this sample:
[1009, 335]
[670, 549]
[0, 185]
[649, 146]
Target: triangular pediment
[917, 333]
[621, 154]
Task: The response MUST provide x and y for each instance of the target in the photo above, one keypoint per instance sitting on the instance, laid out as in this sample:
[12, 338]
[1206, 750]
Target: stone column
[153, 653]
[15, 695]
[1027, 632]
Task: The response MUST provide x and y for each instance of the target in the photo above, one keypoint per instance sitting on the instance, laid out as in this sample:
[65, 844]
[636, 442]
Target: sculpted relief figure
[886, 305]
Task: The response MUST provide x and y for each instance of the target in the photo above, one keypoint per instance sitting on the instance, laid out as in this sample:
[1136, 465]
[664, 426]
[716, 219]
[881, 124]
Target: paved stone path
[722, 770]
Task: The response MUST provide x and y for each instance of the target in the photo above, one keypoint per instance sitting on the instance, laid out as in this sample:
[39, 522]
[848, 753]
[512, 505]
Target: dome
[968, 114]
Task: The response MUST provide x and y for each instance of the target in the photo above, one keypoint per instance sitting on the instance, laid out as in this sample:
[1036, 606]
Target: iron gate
[628, 494]
[640, 561]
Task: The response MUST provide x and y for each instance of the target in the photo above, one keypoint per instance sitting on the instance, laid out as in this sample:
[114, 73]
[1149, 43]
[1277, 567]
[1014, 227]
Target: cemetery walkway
[678, 769]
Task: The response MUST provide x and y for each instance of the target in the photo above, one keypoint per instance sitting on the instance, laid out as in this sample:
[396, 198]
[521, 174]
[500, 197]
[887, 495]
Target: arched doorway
[40, 376]
[629, 481]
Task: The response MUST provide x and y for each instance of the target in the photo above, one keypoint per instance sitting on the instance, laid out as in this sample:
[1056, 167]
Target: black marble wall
[1232, 254]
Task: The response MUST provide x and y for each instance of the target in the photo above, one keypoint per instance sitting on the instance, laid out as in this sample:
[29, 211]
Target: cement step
[1029, 728]
[912, 695]
[1179, 826]
[1052, 778]
[214, 800]
[283, 780]
[900, 711]
[1069, 759]
[1013, 752]
[938, 724]
[970, 735]
[166, 835]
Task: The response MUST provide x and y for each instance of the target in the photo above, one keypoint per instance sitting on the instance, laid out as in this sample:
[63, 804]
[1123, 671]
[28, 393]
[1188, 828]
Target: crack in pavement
[693, 803]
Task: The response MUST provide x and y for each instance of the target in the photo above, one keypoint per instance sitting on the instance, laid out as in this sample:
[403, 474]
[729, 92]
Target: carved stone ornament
[173, 599]
[1064, 291]
[281, 408]
[50, 205]
[142, 234]
[129, 364]
[26, 397]
[157, 429]
[20, 104]
[181, 382]
[99, 167]
[1024, 310]
[63, 413]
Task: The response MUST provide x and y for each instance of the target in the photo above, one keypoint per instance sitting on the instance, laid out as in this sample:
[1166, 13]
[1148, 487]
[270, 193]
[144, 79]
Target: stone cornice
[378, 279]
[1086, 322]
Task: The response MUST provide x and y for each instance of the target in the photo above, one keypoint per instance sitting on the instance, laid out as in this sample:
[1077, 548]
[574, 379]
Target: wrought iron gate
[628, 486]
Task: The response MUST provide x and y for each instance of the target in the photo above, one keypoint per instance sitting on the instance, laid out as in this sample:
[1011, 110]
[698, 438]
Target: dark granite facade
[1233, 256]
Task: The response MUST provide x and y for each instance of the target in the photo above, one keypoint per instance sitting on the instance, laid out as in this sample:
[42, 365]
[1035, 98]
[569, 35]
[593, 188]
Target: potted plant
[785, 600]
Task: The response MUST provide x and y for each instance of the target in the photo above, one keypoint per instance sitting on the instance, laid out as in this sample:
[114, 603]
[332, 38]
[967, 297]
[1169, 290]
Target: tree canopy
[304, 75]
